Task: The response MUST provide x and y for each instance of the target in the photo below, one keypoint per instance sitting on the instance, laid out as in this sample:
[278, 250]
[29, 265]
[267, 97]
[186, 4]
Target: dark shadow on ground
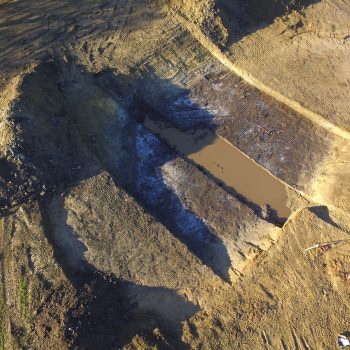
[158, 100]
[110, 312]
[243, 17]
[322, 212]
[78, 112]
[146, 156]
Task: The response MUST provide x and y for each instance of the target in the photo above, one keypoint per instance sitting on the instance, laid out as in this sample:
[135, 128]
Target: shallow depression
[228, 165]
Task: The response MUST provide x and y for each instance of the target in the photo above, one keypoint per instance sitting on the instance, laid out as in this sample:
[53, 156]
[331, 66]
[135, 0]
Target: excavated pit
[154, 194]
[230, 167]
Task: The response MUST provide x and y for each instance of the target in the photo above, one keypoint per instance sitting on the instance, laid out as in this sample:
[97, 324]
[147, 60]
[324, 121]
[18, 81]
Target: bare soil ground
[109, 237]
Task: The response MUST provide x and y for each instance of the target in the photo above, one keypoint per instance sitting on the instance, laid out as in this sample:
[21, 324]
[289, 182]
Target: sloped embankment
[202, 14]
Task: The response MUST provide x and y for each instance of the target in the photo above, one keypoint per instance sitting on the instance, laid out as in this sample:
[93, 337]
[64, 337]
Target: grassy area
[24, 297]
[2, 319]
[24, 306]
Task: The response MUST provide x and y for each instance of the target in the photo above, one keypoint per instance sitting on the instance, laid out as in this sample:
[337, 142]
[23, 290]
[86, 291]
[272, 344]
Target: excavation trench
[228, 166]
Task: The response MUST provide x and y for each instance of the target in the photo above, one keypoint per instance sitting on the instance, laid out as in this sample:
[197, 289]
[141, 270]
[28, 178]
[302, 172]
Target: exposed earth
[164, 164]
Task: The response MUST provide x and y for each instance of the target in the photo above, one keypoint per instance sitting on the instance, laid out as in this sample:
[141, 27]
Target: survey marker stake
[325, 246]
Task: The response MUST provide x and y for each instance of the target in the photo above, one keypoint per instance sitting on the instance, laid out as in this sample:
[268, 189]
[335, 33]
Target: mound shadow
[83, 118]
[140, 172]
[322, 212]
[71, 124]
[155, 101]
[244, 17]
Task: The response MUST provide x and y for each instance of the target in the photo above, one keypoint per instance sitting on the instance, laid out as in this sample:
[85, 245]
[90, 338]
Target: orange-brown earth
[163, 167]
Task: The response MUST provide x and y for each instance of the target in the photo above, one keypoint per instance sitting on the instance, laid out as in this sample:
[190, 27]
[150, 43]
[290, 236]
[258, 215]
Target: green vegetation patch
[24, 297]
[2, 319]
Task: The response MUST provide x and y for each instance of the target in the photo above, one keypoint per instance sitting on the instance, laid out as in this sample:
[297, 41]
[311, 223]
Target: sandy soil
[310, 54]
[111, 238]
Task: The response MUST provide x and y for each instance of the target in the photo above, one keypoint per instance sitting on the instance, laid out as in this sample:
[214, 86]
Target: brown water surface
[227, 164]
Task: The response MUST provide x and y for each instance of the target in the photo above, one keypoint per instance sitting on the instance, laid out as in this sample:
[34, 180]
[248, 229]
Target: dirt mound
[242, 17]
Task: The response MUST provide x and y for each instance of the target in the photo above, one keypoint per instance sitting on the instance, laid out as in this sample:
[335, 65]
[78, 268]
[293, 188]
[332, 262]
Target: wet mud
[228, 165]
